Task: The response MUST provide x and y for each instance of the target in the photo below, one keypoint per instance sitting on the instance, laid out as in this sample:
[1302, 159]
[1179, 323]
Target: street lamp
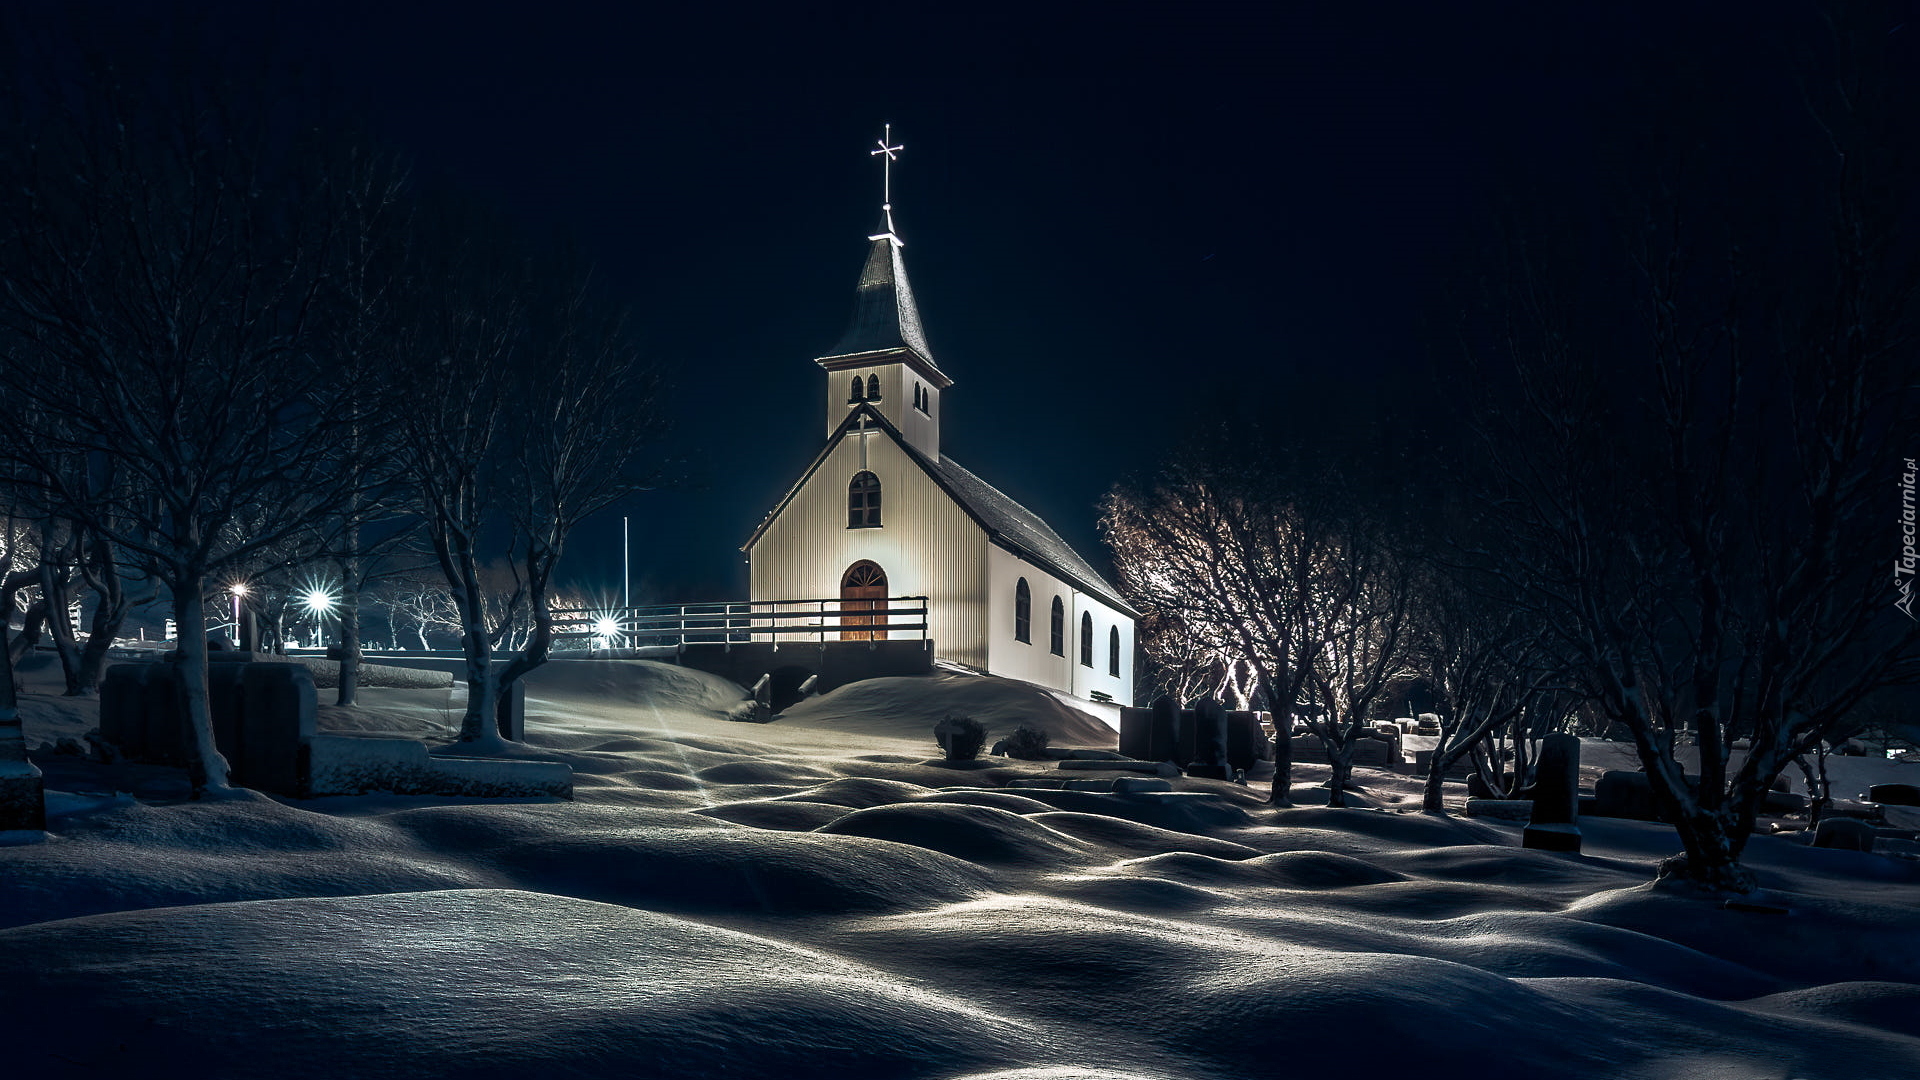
[239, 591]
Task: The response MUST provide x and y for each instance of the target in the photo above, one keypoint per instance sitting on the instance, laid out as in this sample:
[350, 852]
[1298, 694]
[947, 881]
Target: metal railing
[823, 620]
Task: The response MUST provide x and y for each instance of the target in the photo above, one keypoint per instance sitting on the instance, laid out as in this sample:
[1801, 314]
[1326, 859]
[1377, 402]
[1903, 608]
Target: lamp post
[239, 591]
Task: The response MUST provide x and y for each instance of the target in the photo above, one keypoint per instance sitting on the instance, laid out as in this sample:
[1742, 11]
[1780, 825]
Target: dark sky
[1115, 218]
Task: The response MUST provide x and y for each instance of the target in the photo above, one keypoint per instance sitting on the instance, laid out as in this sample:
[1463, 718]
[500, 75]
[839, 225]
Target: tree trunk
[478, 727]
[32, 623]
[206, 768]
[109, 614]
[53, 590]
[349, 624]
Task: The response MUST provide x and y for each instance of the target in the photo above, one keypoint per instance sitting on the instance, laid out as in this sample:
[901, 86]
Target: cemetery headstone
[1209, 758]
[1136, 733]
[1845, 834]
[1188, 731]
[23, 803]
[1246, 740]
[1164, 731]
[1894, 794]
[1554, 825]
[280, 709]
[123, 707]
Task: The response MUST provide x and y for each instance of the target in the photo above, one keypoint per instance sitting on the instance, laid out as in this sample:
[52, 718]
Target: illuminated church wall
[1034, 660]
[927, 544]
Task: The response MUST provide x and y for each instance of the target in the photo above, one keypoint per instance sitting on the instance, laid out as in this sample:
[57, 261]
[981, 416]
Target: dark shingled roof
[884, 314]
[1015, 527]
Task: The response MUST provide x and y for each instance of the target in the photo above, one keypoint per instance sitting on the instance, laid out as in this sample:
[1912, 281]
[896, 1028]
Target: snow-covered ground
[822, 897]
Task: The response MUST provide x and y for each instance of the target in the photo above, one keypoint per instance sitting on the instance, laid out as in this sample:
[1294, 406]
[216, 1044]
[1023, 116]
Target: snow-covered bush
[960, 736]
[1027, 742]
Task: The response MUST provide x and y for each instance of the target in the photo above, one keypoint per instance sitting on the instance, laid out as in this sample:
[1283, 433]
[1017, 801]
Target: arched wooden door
[863, 588]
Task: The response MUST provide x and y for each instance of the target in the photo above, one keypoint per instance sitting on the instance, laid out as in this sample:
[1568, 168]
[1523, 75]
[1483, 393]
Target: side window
[1086, 639]
[1023, 612]
[1059, 628]
[855, 394]
[873, 388]
[1113, 652]
[863, 501]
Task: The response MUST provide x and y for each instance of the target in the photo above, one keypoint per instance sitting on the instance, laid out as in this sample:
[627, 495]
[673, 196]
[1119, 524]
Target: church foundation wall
[837, 663]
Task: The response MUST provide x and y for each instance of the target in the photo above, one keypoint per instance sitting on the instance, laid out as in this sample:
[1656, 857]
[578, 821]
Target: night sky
[1117, 221]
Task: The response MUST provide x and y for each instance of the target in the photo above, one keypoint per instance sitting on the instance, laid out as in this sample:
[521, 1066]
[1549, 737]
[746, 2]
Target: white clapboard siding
[927, 545]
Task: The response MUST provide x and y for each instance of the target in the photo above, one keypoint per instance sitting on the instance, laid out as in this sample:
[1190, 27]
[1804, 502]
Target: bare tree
[163, 318]
[1692, 483]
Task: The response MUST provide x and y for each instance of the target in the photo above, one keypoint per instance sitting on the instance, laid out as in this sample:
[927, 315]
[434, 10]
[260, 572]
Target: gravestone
[123, 717]
[1246, 740]
[1209, 723]
[1163, 742]
[1894, 794]
[279, 710]
[1622, 794]
[23, 801]
[1554, 825]
[1845, 834]
[1136, 733]
[1187, 730]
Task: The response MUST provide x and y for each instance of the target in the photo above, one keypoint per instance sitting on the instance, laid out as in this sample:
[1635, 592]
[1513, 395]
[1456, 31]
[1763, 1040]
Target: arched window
[1086, 639]
[1059, 628]
[855, 395]
[1023, 612]
[873, 388]
[863, 501]
[1113, 652]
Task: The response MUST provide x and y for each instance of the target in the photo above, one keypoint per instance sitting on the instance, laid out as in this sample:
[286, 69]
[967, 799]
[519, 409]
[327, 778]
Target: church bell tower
[883, 360]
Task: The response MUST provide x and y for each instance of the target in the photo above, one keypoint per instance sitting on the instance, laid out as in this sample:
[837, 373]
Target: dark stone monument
[512, 711]
[1894, 794]
[1163, 743]
[23, 801]
[280, 708]
[123, 696]
[1555, 824]
[1622, 794]
[1209, 723]
[1136, 733]
[1846, 834]
[1187, 730]
[1246, 740]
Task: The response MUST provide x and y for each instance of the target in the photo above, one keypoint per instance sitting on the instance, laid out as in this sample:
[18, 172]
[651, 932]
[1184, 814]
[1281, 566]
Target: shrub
[960, 736]
[1027, 742]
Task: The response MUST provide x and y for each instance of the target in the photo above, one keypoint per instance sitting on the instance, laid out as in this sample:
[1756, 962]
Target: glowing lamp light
[319, 601]
[238, 588]
[606, 627]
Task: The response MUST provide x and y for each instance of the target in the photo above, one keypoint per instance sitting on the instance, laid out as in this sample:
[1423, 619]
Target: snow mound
[909, 706]
[472, 983]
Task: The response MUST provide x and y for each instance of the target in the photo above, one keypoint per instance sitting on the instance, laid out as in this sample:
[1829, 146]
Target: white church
[881, 512]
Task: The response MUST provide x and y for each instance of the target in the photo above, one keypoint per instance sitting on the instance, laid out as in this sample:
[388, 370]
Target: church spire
[885, 317]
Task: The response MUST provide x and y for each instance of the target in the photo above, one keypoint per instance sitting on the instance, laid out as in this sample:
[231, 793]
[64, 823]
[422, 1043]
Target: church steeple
[883, 358]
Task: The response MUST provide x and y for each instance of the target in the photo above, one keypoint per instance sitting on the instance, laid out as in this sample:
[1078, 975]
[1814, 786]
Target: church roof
[885, 317]
[1007, 523]
[1019, 529]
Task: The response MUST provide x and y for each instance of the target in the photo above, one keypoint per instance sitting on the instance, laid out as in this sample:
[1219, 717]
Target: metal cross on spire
[887, 154]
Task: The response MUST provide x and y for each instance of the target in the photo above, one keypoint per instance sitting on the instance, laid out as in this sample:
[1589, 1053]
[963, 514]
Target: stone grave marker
[1555, 823]
[1164, 732]
[280, 709]
[1209, 723]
